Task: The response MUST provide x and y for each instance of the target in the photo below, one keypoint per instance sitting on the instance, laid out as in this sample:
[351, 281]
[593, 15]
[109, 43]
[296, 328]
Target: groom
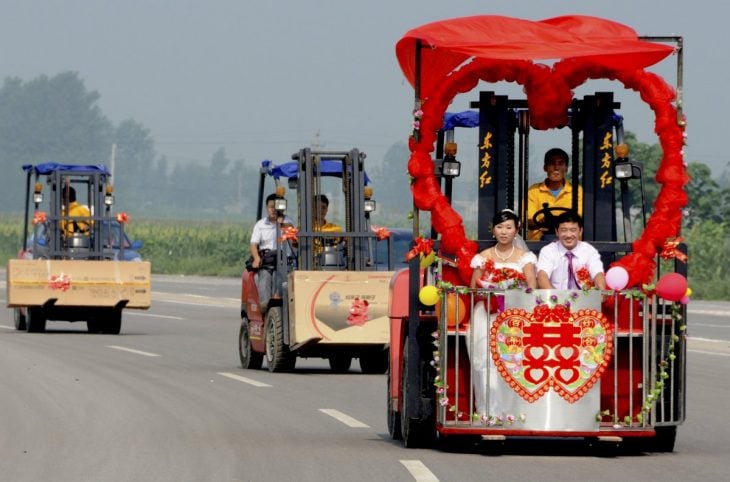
[559, 262]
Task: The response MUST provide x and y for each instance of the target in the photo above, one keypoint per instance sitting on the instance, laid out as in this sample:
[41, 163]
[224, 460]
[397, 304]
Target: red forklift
[333, 284]
[632, 390]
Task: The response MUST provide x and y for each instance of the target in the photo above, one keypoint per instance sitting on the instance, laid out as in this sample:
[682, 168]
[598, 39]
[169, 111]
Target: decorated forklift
[332, 282]
[604, 365]
[74, 260]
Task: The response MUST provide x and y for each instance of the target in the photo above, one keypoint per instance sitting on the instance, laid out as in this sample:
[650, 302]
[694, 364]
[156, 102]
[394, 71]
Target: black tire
[393, 415]
[664, 440]
[340, 363]
[415, 432]
[278, 357]
[249, 358]
[93, 325]
[113, 322]
[19, 319]
[375, 362]
[36, 320]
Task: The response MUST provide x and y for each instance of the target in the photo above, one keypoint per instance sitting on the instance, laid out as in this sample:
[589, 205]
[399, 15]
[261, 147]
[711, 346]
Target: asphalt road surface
[166, 400]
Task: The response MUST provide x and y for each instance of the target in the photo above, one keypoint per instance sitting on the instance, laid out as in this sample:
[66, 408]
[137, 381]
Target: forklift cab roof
[50, 167]
[290, 170]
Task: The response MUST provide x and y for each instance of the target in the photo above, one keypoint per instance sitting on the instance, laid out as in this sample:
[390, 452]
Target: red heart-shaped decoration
[567, 354]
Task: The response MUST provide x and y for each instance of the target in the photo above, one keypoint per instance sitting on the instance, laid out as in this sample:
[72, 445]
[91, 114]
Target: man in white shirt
[562, 263]
[263, 247]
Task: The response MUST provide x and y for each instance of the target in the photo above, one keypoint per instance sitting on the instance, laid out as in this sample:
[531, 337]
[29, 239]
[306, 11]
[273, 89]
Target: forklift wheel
[278, 357]
[249, 358]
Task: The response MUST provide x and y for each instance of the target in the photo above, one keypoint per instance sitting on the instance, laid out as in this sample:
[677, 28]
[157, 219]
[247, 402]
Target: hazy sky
[261, 78]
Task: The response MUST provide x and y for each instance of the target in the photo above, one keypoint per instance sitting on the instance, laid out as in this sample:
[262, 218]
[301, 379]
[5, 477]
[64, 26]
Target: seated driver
[321, 206]
[555, 192]
[75, 210]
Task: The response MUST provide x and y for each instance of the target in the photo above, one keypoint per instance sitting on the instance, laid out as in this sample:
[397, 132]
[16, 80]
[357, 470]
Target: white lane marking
[150, 315]
[132, 350]
[702, 352]
[708, 325]
[708, 312]
[244, 379]
[419, 471]
[7, 327]
[346, 419]
[709, 340]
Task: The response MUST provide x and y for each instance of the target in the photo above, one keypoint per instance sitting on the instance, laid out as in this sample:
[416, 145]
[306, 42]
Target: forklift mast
[503, 173]
[357, 227]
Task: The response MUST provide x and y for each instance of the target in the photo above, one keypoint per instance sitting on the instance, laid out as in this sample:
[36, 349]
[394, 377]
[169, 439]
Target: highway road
[166, 400]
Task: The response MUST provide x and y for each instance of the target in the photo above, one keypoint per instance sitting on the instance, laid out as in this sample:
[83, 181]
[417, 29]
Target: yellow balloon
[428, 295]
[688, 292]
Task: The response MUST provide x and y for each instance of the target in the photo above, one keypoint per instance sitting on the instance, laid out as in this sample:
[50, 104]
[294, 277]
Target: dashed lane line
[346, 419]
[151, 315]
[702, 352]
[239, 378]
[419, 471]
[132, 350]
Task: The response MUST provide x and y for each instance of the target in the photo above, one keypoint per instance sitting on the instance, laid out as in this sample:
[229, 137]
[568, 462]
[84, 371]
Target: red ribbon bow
[289, 233]
[381, 233]
[39, 217]
[122, 218]
[61, 282]
[671, 250]
[423, 246]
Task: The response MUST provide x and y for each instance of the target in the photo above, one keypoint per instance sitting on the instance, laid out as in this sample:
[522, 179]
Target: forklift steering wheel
[548, 215]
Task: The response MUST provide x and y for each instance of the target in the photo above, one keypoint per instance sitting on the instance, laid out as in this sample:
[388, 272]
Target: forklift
[635, 393]
[332, 285]
[74, 265]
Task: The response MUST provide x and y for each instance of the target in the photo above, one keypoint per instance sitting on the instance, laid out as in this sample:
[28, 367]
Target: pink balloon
[684, 300]
[672, 287]
[617, 278]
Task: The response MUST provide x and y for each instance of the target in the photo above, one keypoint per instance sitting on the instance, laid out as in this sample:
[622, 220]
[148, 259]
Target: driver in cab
[321, 207]
[554, 192]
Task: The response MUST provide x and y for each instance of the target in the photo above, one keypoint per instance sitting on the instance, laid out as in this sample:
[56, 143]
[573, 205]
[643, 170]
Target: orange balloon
[454, 303]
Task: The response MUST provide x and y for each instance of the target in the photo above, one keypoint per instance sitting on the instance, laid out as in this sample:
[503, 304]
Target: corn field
[219, 248]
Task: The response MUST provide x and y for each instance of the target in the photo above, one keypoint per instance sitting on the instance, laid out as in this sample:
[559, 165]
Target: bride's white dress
[483, 371]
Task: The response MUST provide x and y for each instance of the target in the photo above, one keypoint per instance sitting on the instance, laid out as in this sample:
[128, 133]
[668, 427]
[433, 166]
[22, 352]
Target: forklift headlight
[109, 199]
[369, 206]
[450, 167]
[623, 170]
[38, 197]
[280, 204]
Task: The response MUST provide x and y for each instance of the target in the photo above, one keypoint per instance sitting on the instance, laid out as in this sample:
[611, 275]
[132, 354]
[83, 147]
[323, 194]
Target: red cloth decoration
[122, 218]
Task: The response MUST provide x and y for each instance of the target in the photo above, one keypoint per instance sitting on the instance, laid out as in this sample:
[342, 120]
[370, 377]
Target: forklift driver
[554, 192]
[263, 251]
[75, 209]
[321, 206]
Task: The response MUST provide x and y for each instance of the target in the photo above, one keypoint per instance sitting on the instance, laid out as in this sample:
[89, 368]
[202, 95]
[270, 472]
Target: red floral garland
[549, 94]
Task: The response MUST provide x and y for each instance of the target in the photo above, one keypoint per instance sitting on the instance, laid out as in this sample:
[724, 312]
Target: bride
[508, 264]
